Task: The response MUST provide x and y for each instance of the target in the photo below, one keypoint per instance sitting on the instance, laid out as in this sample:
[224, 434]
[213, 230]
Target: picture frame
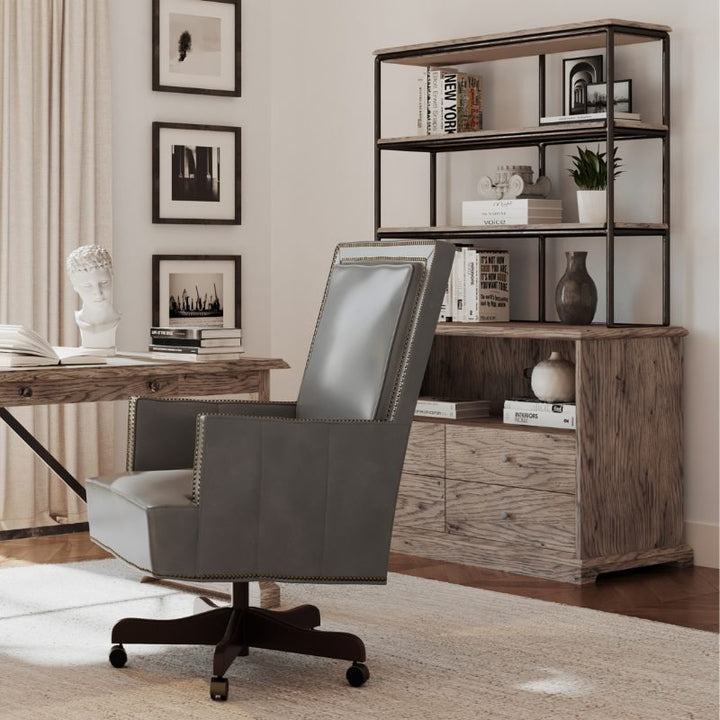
[196, 46]
[578, 73]
[196, 291]
[597, 96]
[196, 173]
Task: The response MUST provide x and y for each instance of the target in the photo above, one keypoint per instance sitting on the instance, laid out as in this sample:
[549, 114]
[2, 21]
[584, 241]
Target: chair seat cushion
[146, 518]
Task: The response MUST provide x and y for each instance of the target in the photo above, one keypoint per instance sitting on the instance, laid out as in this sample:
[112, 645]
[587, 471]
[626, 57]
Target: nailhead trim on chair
[251, 577]
[200, 438]
[377, 259]
[132, 416]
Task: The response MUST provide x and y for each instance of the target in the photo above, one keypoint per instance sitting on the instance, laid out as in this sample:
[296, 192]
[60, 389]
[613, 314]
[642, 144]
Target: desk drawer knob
[504, 458]
[26, 392]
[504, 515]
[154, 386]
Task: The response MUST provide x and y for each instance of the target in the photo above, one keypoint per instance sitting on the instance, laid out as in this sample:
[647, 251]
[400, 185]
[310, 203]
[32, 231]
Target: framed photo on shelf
[196, 46]
[196, 174]
[196, 291]
[578, 73]
[597, 96]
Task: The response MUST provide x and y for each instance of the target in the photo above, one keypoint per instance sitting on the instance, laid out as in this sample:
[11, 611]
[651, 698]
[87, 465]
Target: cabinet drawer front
[524, 459]
[531, 518]
[421, 502]
[426, 450]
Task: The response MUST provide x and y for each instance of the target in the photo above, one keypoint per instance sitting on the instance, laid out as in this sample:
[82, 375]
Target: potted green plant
[589, 172]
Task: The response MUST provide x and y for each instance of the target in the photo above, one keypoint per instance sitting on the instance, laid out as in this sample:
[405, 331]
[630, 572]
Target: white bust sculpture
[90, 270]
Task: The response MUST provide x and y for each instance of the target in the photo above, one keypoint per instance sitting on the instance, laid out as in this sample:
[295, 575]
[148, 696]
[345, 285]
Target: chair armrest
[161, 431]
[305, 498]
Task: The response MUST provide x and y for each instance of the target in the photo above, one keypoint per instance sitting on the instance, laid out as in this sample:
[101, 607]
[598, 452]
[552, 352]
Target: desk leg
[50, 460]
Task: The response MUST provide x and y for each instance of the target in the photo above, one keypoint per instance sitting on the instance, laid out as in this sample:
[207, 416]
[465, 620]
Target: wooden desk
[126, 375]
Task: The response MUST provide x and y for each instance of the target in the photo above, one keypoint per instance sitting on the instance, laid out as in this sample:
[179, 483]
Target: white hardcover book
[450, 102]
[457, 285]
[538, 418]
[494, 277]
[445, 308]
[422, 120]
[510, 212]
[471, 288]
[581, 117]
[538, 405]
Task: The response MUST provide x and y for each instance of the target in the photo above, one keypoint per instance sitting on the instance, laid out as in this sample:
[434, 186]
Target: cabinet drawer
[531, 518]
[524, 459]
[426, 450]
[421, 502]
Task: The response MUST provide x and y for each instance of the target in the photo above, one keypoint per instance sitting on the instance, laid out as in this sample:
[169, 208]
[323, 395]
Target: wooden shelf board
[523, 43]
[556, 331]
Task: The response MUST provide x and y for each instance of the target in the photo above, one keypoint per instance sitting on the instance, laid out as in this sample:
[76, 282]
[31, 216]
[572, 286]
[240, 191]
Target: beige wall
[306, 114]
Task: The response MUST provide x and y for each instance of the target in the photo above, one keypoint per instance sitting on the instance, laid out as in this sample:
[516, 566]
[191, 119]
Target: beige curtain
[55, 194]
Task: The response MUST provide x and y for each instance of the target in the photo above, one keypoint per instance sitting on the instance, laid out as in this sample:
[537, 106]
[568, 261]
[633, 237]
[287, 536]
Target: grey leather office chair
[281, 491]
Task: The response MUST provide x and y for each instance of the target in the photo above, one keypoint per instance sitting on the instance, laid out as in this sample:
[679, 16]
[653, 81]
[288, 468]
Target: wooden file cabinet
[559, 504]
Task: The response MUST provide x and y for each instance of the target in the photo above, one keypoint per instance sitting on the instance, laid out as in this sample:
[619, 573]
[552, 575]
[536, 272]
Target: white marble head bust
[90, 270]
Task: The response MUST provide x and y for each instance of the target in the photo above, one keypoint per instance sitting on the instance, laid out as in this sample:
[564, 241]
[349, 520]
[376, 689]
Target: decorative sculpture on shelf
[89, 268]
[513, 181]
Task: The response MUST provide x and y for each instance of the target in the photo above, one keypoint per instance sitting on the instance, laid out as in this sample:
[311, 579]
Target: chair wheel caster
[118, 656]
[357, 674]
[219, 688]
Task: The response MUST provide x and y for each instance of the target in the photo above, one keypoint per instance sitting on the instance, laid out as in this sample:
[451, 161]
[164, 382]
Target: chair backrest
[374, 331]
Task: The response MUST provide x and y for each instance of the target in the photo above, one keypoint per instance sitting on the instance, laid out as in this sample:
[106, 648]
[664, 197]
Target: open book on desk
[22, 347]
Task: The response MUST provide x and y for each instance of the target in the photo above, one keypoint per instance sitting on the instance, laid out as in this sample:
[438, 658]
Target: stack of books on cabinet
[195, 344]
[479, 287]
[449, 101]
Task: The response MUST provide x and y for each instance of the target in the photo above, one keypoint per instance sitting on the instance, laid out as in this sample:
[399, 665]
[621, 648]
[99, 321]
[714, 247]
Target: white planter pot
[591, 206]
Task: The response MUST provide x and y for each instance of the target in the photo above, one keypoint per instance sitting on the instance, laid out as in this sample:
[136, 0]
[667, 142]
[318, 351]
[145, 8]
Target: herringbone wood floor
[681, 596]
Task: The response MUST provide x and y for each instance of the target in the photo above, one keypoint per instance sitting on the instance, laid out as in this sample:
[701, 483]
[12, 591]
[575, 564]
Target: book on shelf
[194, 357]
[479, 286]
[584, 117]
[451, 409]
[532, 404]
[539, 418]
[194, 333]
[517, 211]
[449, 101]
[22, 347]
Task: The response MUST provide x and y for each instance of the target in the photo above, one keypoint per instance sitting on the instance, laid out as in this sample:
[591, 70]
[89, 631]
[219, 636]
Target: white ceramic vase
[553, 380]
[592, 206]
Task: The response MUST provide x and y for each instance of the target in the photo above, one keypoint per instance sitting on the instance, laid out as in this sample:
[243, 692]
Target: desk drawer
[516, 517]
[517, 458]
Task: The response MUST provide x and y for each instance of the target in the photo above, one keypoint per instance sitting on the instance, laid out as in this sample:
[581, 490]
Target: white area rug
[435, 650]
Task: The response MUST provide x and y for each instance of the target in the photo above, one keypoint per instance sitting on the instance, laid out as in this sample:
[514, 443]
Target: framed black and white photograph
[196, 46]
[578, 73]
[196, 291]
[622, 96]
[196, 174]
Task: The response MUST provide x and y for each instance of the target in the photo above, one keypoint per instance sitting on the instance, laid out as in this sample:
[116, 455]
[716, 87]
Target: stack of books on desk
[530, 411]
[195, 344]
